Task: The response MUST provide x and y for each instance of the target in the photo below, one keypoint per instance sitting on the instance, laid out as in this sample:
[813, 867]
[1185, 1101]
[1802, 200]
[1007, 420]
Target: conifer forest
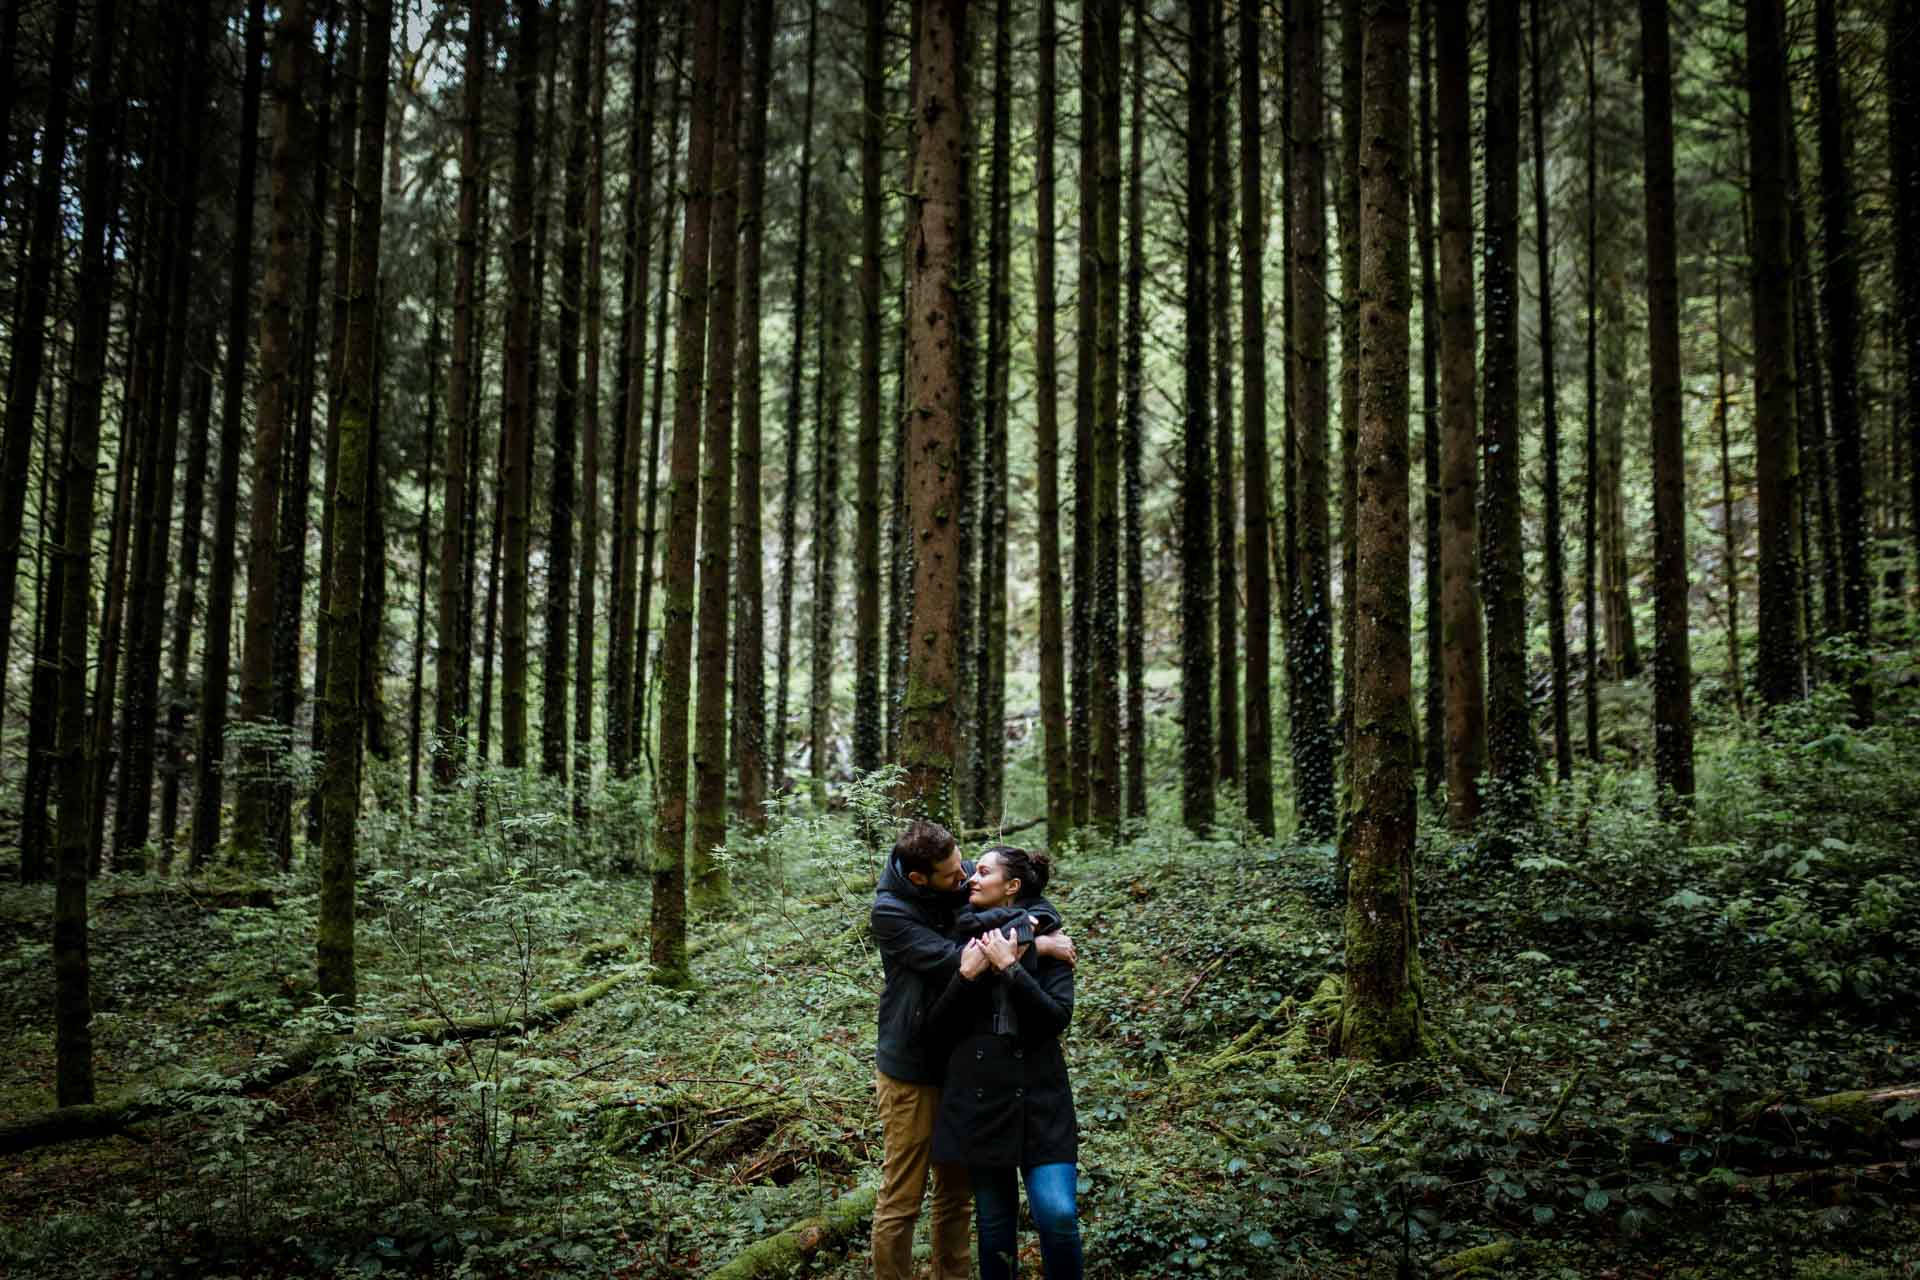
[508, 506]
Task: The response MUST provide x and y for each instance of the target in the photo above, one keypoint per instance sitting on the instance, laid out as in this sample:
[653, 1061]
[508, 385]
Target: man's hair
[923, 845]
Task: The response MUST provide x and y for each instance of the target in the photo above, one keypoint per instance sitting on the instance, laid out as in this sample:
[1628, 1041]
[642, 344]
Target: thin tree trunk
[1053, 675]
[1730, 539]
[358, 475]
[417, 692]
[790, 493]
[1840, 298]
[1310, 608]
[1226, 555]
[1550, 412]
[1589, 573]
[750, 630]
[1780, 673]
[707, 873]
[1104, 776]
[1086, 346]
[1133, 434]
[1672, 656]
[524, 66]
[1434, 705]
[669, 910]
[990, 662]
[1196, 490]
[590, 412]
[1258, 780]
[1459, 513]
[1903, 103]
[1347, 227]
[826, 498]
[453, 654]
[869, 713]
[180, 650]
[216, 656]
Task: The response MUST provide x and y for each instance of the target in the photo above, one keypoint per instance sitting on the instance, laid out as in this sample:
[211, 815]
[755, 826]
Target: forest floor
[1627, 1027]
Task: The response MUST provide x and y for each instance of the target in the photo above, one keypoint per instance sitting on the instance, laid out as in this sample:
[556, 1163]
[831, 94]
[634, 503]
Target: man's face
[946, 875]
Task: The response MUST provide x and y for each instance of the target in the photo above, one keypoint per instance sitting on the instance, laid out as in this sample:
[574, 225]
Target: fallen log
[1477, 1260]
[779, 1254]
[990, 833]
[103, 1120]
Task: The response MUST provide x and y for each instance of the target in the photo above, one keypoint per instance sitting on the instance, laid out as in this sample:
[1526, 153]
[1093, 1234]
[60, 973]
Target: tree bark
[357, 477]
[1550, 412]
[829, 381]
[1433, 740]
[1591, 500]
[524, 67]
[1133, 434]
[1310, 609]
[750, 629]
[1046, 417]
[1104, 775]
[669, 919]
[1903, 103]
[1226, 556]
[1672, 656]
[990, 663]
[869, 712]
[929, 727]
[1380, 1013]
[1257, 782]
[416, 694]
[1780, 673]
[1196, 489]
[216, 658]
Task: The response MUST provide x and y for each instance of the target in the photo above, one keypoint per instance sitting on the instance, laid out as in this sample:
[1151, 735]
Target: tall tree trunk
[180, 648]
[1840, 299]
[1550, 412]
[1591, 500]
[1780, 673]
[72, 1000]
[1133, 433]
[1227, 559]
[827, 490]
[1511, 752]
[1196, 489]
[1433, 739]
[1086, 348]
[790, 494]
[1903, 102]
[558, 640]
[750, 630]
[453, 654]
[1812, 437]
[869, 712]
[595, 305]
[524, 67]
[708, 873]
[1672, 657]
[1046, 420]
[1347, 227]
[1380, 1016]
[929, 727]
[217, 657]
[1459, 511]
[416, 695]
[1104, 776]
[1258, 779]
[1310, 608]
[358, 475]
[252, 836]
[990, 662]
[669, 911]
[27, 349]
[967, 452]
[37, 828]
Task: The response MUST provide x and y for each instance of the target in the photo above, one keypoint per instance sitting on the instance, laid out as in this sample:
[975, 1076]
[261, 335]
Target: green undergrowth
[1626, 1025]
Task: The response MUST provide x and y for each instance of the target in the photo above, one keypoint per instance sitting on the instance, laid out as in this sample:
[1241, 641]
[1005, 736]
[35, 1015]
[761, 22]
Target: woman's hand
[999, 948]
[973, 960]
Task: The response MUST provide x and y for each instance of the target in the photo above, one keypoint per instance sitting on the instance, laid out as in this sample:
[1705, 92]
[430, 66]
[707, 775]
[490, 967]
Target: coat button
[1019, 1093]
[979, 1093]
[979, 1053]
[1019, 1053]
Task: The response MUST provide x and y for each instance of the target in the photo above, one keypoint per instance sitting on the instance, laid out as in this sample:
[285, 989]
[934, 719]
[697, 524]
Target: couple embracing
[971, 1080]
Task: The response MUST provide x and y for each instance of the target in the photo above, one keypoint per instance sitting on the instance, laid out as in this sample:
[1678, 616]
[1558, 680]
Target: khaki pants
[906, 1119]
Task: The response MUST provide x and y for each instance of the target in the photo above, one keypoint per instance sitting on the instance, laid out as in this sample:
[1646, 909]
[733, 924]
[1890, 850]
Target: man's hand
[1058, 946]
[973, 960]
[1000, 949]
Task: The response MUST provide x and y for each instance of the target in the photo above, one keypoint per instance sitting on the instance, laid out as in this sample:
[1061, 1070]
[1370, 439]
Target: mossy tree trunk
[929, 727]
[357, 476]
[708, 874]
[669, 909]
[1903, 103]
[1380, 1013]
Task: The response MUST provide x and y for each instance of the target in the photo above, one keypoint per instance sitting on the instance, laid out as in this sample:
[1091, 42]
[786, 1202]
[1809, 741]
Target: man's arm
[1056, 946]
[914, 943]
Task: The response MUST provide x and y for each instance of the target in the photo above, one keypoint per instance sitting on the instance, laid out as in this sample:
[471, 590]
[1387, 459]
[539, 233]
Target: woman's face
[990, 885]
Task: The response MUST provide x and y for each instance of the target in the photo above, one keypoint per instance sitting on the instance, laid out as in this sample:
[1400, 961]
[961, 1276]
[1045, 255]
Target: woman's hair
[1032, 870]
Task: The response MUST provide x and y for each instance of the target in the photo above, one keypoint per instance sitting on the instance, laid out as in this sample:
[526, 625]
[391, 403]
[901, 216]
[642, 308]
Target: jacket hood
[893, 880]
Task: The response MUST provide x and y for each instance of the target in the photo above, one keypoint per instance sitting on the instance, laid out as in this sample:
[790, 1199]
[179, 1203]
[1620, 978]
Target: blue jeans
[1050, 1198]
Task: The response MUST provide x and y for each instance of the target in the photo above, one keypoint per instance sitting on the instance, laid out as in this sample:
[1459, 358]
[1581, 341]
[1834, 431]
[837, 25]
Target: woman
[1007, 1109]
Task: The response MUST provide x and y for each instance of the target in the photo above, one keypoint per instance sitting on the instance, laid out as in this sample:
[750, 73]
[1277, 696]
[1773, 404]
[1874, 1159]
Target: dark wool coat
[910, 924]
[1007, 1100]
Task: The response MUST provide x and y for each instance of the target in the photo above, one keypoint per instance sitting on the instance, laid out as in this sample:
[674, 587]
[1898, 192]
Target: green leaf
[1597, 1201]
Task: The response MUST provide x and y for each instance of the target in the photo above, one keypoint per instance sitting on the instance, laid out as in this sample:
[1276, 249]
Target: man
[924, 884]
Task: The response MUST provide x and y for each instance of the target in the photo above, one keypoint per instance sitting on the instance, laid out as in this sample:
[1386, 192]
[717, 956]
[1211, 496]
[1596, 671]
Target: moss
[1479, 1260]
[780, 1254]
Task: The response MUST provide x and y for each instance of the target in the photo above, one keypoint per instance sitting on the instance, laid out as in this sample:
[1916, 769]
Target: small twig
[1186, 997]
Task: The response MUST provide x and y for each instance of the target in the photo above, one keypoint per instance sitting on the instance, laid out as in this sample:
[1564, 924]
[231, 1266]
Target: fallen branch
[779, 1254]
[102, 1120]
[990, 833]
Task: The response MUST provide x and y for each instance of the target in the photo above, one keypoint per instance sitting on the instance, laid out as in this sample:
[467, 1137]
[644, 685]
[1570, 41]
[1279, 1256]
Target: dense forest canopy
[592, 446]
